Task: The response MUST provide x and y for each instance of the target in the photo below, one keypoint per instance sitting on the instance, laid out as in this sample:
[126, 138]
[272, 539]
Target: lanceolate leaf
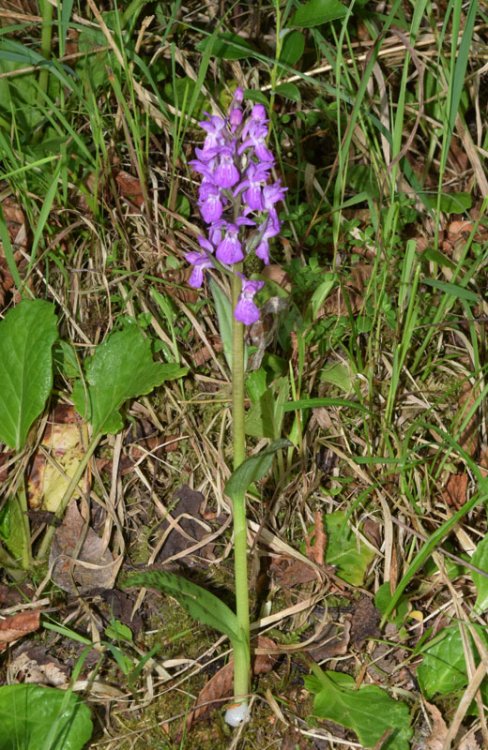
[121, 369]
[368, 711]
[198, 602]
[33, 717]
[27, 335]
[253, 469]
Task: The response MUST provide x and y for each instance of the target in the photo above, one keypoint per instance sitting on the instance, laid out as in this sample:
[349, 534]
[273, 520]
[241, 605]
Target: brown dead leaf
[316, 542]
[333, 640]
[364, 621]
[289, 572]
[130, 188]
[456, 490]
[16, 626]
[55, 462]
[438, 732]
[182, 529]
[468, 742]
[94, 566]
[34, 665]
[219, 687]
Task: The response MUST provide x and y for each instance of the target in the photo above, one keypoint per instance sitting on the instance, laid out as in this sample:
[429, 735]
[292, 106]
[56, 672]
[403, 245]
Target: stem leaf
[253, 469]
[198, 602]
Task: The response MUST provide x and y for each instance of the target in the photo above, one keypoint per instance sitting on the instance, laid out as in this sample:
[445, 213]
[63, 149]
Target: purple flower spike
[246, 310]
[235, 198]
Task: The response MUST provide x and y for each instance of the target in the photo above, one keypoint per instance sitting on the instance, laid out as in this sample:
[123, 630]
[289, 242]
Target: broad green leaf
[198, 602]
[344, 550]
[122, 368]
[289, 91]
[340, 375]
[33, 717]
[293, 47]
[253, 469]
[480, 559]
[368, 711]
[13, 529]
[451, 203]
[443, 669]
[228, 46]
[317, 12]
[27, 335]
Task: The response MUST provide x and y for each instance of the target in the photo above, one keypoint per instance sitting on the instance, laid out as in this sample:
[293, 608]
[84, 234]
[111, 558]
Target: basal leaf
[344, 550]
[198, 602]
[253, 469]
[368, 711]
[27, 335]
[33, 717]
[122, 368]
[443, 669]
[480, 559]
[13, 530]
[317, 12]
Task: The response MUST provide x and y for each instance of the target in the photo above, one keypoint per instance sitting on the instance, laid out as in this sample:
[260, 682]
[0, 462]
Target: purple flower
[210, 202]
[256, 139]
[229, 249]
[226, 173]
[272, 194]
[214, 128]
[226, 237]
[200, 262]
[256, 176]
[246, 310]
[271, 227]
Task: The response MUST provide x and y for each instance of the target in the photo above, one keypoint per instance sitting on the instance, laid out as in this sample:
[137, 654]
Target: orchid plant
[237, 200]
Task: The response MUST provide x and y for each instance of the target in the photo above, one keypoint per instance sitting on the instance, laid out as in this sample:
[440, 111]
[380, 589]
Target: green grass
[378, 124]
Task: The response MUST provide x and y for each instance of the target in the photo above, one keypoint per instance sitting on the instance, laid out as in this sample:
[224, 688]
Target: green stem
[50, 531]
[242, 659]
[46, 40]
[24, 511]
[239, 439]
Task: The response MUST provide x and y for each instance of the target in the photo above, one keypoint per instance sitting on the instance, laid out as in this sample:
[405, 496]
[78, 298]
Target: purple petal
[226, 173]
[246, 310]
[230, 249]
